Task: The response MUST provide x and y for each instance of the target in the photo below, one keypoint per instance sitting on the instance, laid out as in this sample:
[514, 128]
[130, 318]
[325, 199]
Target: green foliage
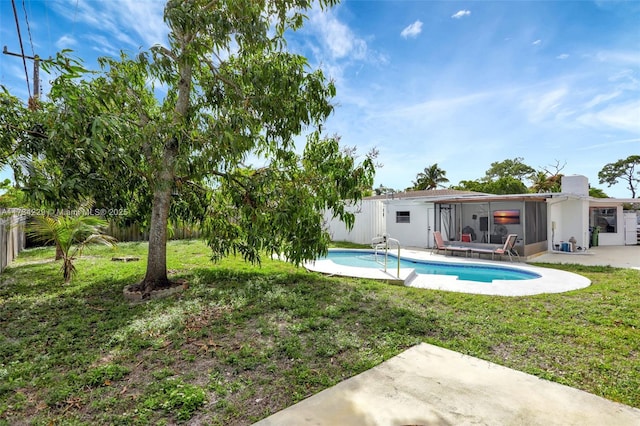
[503, 185]
[625, 170]
[12, 196]
[383, 190]
[233, 91]
[176, 397]
[545, 182]
[105, 374]
[70, 235]
[278, 209]
[597, 193]
[509, 168]
[506, 177]
[430, 178]
[16, 127]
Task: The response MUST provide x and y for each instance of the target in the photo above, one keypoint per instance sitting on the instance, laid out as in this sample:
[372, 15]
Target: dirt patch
[176, 287]
[125, 259]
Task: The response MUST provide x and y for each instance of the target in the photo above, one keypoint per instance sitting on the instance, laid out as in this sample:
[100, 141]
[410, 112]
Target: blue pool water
[467, 272]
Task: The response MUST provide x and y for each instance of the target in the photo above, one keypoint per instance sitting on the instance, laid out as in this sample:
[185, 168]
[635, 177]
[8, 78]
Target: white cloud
[119, 20]
[539, 107]
[332, 46]
[608, 144]
[435, 109]
[461, 14]
[337, 37]
[622, 116]
[618, 57]
[537, 42]
[603, 98]
[66, 42]
[412, 30]
[102, 45]
[626, 80]
[562, 56]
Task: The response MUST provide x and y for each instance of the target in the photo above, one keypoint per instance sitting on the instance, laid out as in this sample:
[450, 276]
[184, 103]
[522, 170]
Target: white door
[431, 222]
[630, 223]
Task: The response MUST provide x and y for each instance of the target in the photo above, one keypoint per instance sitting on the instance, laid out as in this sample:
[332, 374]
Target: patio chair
[465, 238]
[507, 249]
[441, 246]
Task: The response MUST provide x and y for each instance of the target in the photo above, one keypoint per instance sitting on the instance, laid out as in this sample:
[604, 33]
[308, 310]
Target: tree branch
[31, 132]
[232, 177]
[219, 76]
[164, 51]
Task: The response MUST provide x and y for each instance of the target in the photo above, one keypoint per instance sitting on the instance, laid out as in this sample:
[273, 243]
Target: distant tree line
[511, 176]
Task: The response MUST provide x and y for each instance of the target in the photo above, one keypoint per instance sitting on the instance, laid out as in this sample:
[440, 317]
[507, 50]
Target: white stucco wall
[570, 217]
[416, 232]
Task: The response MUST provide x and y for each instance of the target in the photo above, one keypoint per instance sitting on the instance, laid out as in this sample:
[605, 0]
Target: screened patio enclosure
[490, 220]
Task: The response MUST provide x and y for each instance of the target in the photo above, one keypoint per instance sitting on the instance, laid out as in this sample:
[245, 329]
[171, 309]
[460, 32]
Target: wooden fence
[135, 232]
[12, 239]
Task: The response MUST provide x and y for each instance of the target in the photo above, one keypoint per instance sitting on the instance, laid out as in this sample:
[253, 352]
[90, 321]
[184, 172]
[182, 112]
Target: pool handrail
[383, 243]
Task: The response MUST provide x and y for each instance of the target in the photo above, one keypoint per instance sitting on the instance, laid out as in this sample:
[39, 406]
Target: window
[604, 218]
[403, 217]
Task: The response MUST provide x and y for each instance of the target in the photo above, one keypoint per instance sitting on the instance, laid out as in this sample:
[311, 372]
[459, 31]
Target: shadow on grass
[288, 334]
[255, 339]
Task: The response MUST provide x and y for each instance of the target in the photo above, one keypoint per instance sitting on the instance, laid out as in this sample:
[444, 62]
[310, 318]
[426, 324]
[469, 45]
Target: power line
[75, 16]
[26, 19]
[24, 59]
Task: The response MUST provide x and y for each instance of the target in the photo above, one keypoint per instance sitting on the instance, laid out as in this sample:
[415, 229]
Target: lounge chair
[441, 246]
[507, 249]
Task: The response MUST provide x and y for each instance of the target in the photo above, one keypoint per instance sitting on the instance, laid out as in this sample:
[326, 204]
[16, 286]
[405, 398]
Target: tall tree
[597, 193]
[12, 112]
[232, 92]
[545, 182]
[503, 177]
[383, 190]
[503, 185]
[624, 170]
[430, 178]
[514, 168]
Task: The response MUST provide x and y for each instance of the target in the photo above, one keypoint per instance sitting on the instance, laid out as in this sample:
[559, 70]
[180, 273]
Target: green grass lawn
[243, 342]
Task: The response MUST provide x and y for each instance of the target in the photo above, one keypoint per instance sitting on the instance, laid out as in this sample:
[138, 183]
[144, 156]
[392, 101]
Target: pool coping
[550, 281]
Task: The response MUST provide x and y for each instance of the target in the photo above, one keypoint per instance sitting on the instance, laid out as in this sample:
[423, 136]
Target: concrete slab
[616, 256]
[429, 385]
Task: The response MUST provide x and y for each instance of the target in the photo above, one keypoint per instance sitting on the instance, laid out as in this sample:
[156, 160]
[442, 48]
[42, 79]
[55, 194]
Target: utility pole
[36, 75]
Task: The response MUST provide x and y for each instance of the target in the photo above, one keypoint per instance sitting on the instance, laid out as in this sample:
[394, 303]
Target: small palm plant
[70, 234]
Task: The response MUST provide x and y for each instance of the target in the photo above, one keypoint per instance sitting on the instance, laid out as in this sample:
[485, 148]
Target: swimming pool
[468, 271]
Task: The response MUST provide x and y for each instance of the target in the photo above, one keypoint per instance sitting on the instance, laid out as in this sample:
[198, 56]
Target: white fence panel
[12, 239]
[369, 223]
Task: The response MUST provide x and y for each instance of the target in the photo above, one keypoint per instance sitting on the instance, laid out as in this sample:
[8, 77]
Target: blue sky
[461, 84]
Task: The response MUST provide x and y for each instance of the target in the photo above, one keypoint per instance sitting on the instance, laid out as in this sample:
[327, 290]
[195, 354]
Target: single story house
[542, 221]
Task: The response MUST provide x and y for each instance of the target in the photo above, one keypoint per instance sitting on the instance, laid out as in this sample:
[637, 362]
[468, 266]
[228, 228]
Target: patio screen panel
[535, 222]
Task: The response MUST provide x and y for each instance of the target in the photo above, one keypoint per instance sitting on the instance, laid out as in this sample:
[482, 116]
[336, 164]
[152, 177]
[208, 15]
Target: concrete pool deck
[616, 256]
[550, 281]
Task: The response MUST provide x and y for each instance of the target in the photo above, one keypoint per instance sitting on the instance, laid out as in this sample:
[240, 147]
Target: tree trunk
[156, 275]
[59, 253]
